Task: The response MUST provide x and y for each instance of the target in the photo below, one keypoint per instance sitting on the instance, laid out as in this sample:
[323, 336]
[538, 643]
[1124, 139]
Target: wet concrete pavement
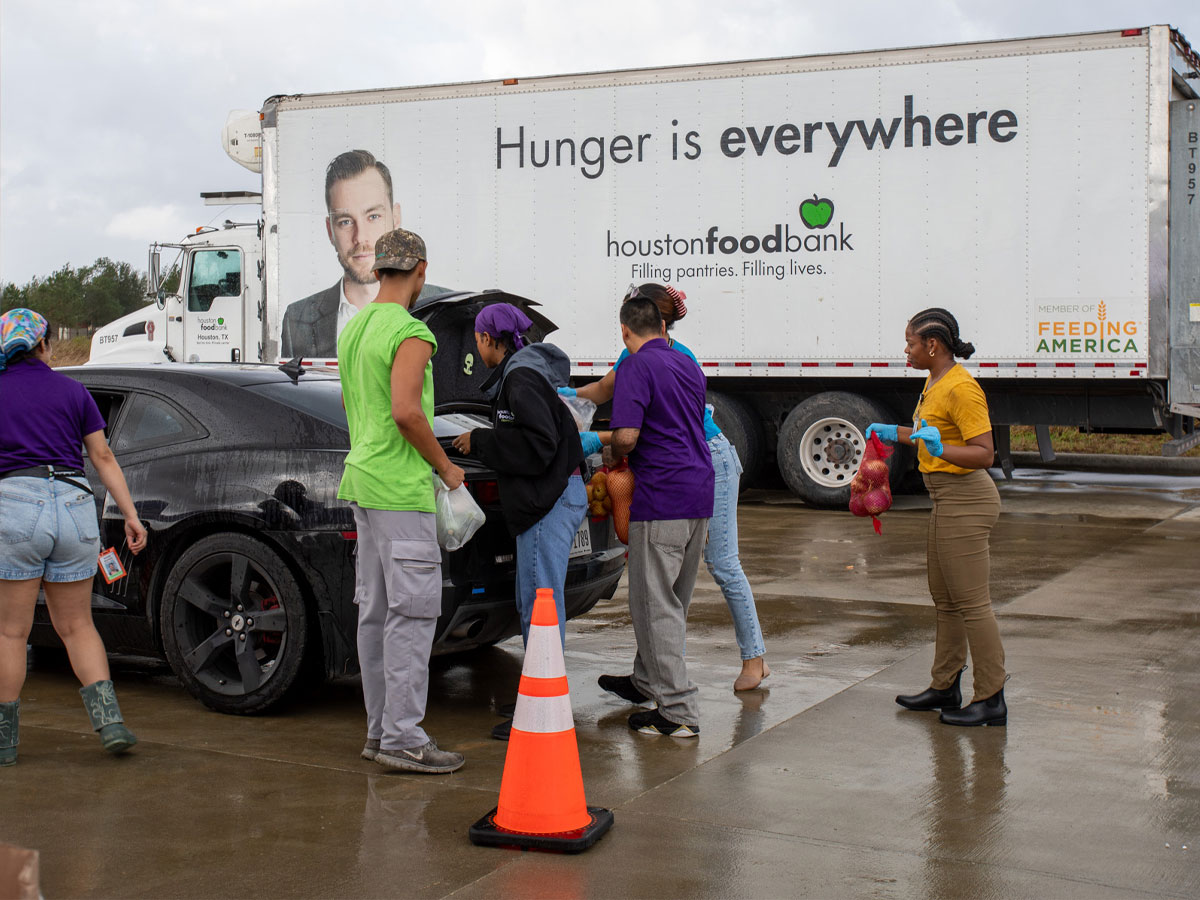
[816, 786]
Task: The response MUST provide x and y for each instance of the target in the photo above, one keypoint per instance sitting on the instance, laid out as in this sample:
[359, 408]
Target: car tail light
[350, 535]
[486, 492]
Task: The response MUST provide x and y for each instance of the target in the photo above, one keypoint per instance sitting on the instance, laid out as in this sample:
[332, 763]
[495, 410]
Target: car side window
[109, 403]
[153, 422]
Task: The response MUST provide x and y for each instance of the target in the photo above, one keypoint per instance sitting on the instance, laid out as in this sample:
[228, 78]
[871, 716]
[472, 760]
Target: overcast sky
[111, 110]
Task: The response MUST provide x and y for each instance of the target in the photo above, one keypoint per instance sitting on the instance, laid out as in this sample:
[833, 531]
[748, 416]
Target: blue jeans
[721, 551]
[48, 530]
[543, 551]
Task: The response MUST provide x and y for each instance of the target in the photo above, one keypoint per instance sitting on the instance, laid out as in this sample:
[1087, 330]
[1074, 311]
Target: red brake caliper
[270, 638]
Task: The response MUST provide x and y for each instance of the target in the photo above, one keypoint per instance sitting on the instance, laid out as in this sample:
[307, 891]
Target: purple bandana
[503, 318]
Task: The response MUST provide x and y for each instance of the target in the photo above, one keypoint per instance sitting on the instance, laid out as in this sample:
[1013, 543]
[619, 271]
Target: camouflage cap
[400, 249]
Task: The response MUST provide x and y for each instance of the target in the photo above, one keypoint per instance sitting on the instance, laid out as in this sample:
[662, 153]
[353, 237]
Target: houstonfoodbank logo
[212, 329]
[816, 216]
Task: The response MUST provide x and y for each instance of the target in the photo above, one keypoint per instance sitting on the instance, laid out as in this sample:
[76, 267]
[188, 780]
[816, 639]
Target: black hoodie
[533, 444]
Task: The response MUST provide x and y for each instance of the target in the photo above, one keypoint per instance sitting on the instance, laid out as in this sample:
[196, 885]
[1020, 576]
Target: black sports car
[248, 577]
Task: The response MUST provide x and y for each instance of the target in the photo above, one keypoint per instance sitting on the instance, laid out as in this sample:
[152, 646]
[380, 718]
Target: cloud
[111, 112]
[150, 223]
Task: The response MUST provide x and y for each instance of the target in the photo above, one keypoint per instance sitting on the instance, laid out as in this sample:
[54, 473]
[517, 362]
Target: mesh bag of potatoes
[870, 491]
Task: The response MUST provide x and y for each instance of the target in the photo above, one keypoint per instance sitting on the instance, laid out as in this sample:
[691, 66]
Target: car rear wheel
[234, 625]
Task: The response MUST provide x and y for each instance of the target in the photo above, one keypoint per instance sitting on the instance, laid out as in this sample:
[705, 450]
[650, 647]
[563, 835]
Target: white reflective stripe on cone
[543, 715]
[543, 653]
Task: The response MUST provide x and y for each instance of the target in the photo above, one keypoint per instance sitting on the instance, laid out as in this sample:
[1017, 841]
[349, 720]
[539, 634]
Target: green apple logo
[817, 212]
[220, 321]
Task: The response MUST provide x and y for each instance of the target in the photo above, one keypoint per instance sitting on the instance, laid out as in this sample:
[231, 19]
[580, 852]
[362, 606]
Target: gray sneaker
[370, 749]
[427, 758]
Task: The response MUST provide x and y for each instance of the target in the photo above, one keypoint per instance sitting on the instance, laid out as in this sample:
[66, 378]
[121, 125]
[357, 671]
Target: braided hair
[939, 323]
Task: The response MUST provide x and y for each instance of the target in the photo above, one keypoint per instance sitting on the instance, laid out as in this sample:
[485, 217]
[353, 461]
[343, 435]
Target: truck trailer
[1042, 189]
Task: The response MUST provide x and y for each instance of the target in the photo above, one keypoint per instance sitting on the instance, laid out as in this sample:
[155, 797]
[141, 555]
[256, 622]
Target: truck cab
[215, 313]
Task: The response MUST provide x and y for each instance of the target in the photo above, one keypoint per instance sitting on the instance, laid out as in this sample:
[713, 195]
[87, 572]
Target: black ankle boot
[991, 711]
[932, 698]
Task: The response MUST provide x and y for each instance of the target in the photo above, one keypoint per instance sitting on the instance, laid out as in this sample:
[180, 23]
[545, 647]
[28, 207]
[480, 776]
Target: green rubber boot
[100, 701]
[10, 721]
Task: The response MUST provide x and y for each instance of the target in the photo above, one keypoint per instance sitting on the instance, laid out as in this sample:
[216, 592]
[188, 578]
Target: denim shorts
[48, 529]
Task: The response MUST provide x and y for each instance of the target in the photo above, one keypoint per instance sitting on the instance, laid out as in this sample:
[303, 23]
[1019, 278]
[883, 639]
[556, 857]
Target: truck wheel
[234, 624]
[743, 429]
[821, 444]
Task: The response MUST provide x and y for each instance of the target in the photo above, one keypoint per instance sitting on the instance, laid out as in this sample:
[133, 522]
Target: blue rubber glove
[591, 442]
[931, 436]
[889, 434]
[567, 392]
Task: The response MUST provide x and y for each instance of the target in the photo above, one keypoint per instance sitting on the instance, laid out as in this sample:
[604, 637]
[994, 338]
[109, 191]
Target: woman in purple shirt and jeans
[49, 533]
[721, 550]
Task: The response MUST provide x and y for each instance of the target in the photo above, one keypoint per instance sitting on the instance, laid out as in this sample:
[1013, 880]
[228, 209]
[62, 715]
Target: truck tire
[234, 624]
[743, 429]
[821, 444]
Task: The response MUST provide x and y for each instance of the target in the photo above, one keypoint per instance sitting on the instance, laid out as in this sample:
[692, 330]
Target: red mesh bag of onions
[870, 493]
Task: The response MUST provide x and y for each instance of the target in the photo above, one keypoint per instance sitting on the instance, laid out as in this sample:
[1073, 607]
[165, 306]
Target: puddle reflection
[966, 816]
[394, 835]
[750, 719]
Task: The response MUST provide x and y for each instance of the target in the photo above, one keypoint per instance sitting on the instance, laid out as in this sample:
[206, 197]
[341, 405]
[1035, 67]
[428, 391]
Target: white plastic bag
[581, 410]
[458, 515]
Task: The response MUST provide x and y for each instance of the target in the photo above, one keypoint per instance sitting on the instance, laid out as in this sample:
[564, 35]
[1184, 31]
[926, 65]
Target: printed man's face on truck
[360, 212]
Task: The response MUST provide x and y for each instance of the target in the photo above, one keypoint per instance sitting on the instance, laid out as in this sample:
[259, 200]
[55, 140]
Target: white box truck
[1043, 190]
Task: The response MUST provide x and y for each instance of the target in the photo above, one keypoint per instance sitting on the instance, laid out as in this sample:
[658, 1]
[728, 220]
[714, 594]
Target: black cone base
[486, 833]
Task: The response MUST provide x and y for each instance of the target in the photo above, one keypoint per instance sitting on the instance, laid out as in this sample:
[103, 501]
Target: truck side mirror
[153, 279]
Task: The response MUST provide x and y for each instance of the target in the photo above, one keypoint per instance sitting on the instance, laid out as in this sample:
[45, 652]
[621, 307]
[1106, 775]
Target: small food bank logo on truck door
[212, 330]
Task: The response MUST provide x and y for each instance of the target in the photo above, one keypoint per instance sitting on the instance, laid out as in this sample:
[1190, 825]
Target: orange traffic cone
[542, 805]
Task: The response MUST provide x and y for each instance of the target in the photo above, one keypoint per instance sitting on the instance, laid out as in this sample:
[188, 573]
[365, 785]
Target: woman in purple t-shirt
[49, 533]
[721, 551]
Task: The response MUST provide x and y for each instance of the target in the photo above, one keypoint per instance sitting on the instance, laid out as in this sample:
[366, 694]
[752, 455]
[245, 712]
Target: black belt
[59, 474]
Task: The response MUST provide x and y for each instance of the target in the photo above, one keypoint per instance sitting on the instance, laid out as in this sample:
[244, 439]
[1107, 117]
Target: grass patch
[1072, 440]
[71, 352]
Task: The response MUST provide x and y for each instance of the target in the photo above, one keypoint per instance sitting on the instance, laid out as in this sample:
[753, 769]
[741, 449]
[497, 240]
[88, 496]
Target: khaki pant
[965, 507]
[664, 556]
[398, 589]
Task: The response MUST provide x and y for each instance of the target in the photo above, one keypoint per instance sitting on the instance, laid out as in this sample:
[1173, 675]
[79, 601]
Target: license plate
[582, 545]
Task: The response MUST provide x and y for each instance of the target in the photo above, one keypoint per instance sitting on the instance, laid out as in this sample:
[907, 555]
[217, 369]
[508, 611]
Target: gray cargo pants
[664, 557]
[398, 589]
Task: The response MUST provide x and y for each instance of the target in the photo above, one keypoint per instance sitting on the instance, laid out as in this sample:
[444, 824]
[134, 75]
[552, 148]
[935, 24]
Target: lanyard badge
[110, 566]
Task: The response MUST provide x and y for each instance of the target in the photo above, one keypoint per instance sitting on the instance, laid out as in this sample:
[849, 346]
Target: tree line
[84, 297]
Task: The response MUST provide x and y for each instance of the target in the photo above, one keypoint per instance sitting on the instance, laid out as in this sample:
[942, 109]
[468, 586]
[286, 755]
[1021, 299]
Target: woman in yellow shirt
[953, 435]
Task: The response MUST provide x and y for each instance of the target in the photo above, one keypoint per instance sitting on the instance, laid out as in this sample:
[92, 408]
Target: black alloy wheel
[234, 625]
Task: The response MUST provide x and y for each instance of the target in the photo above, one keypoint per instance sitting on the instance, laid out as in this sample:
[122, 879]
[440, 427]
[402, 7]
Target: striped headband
[677, 297]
